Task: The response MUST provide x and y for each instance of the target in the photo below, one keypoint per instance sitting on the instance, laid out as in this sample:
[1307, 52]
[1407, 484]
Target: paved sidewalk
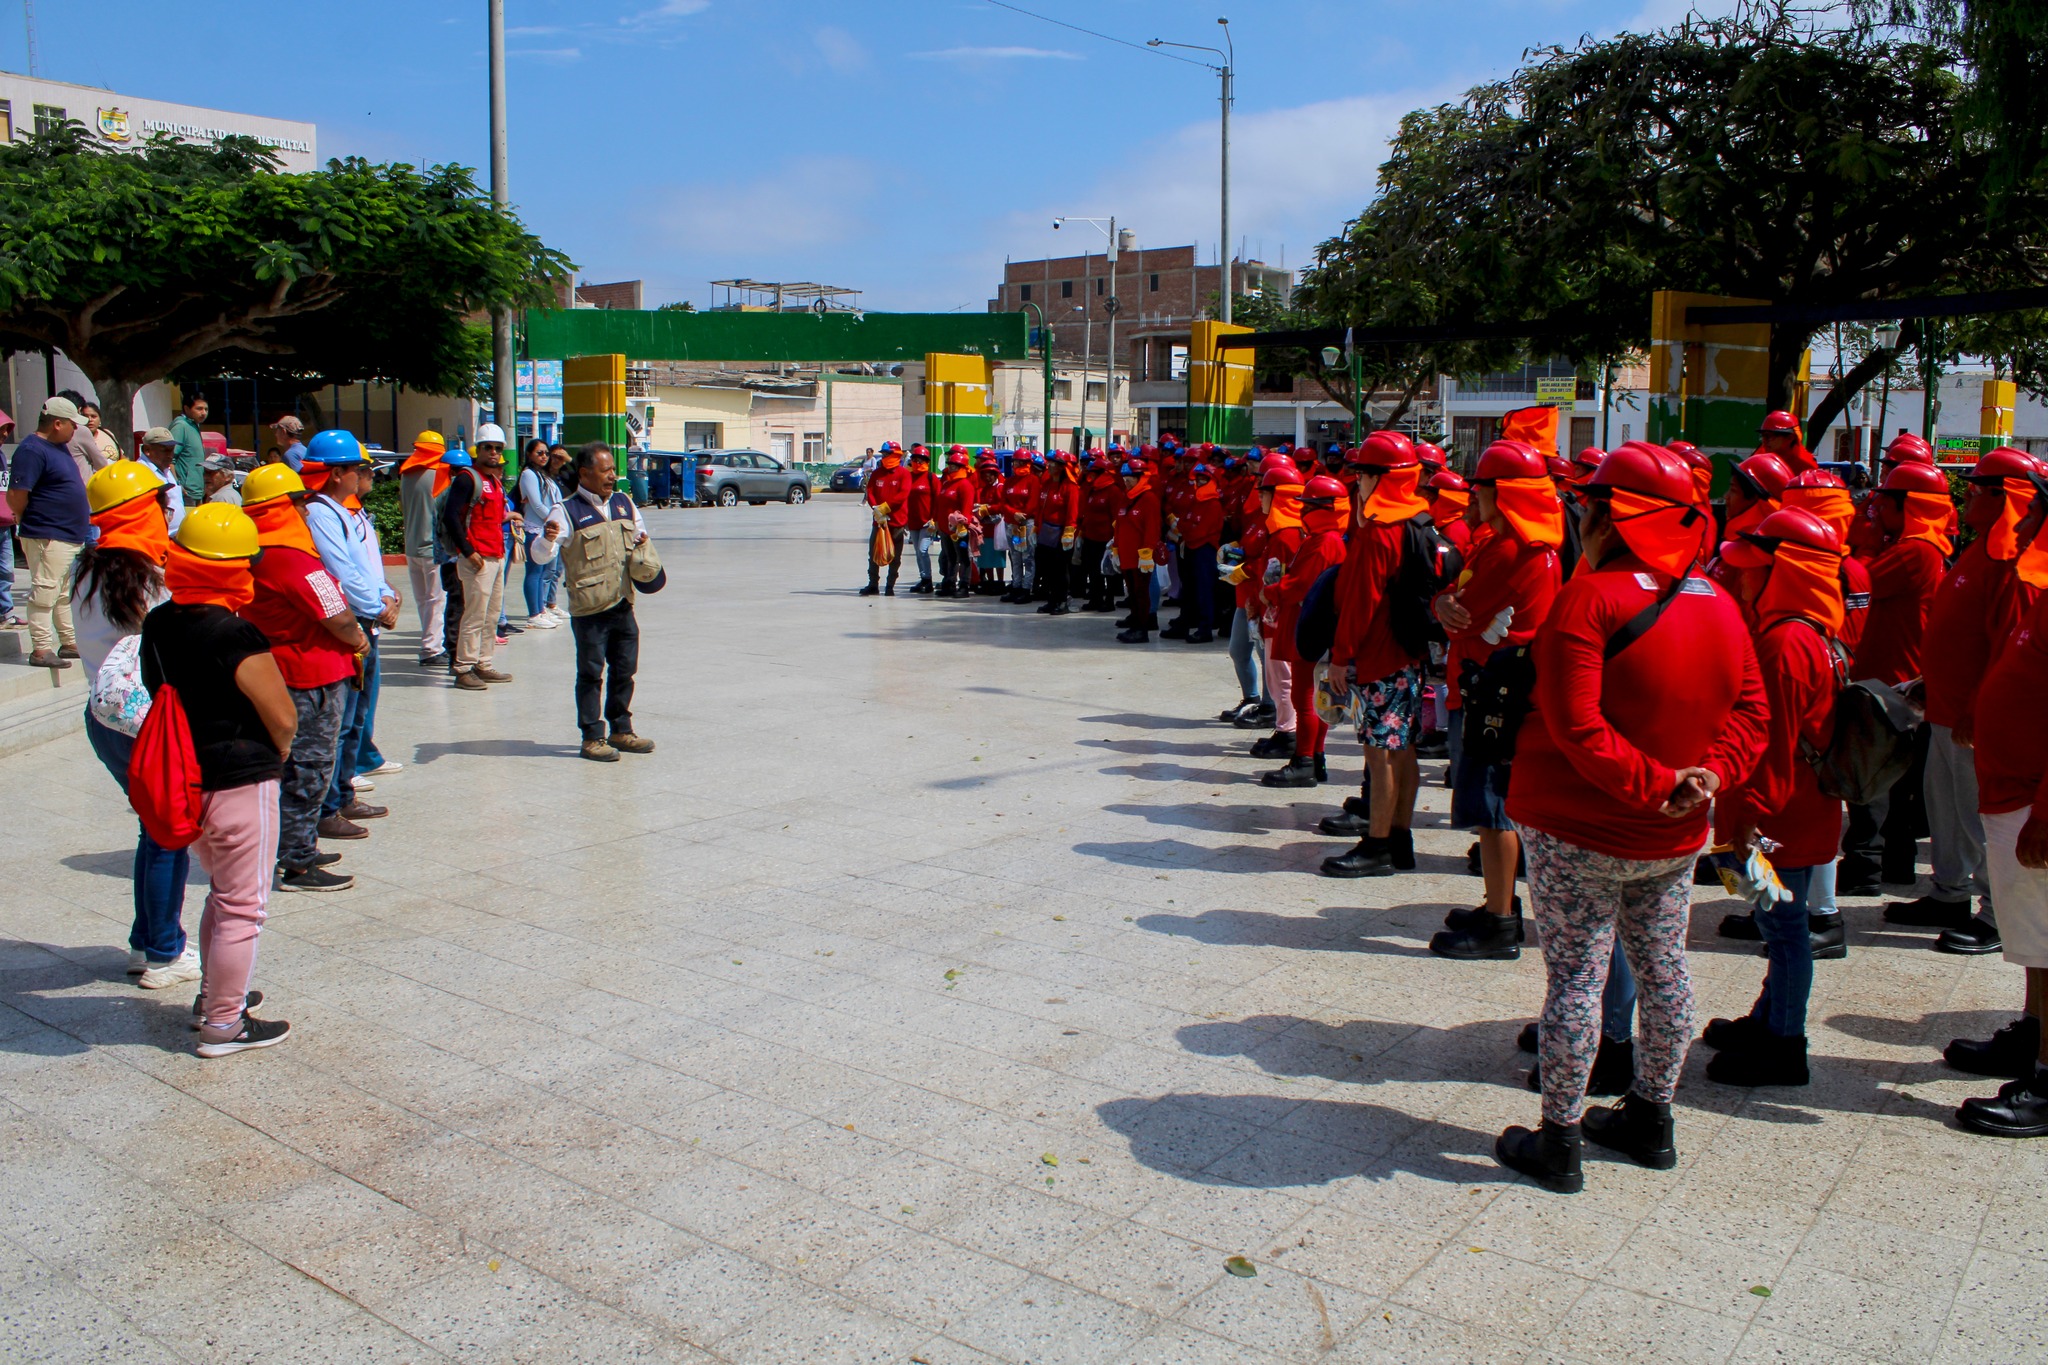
[915, 1002]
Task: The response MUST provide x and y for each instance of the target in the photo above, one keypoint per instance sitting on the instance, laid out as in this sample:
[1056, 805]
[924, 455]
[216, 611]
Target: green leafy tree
[188, 260]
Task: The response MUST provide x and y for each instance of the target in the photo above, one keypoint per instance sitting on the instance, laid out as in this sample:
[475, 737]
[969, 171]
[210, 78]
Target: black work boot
[1360, 806]
[1928, 912]
[1614, 1068]
[2019, 1111]
[1322, 769]
[1134, 637]
[1826, 937]
[1467, 921]
[1344, 825]
[1740, 1031]
[1279, 744]
[1299, 772]
[1475, 861]
[1857, 875]
[1369, 859]
[1549, 1156]
[1978, 937]
[1637, 1128]
[2010, 1052]
[1497, 939]
[1741, 927]
[1176, 629]
[1401, 848]
[1767, 1060]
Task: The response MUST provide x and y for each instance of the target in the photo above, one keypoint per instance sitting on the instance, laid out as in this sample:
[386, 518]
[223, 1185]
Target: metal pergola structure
[779, 294]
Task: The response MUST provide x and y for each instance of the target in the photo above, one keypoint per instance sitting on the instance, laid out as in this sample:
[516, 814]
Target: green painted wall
[1221, 425]
[556, 334]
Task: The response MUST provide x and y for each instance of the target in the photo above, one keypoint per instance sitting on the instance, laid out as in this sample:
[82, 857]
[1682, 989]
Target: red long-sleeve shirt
[1201, 523]
[954, 495]
[1059, 503]
[1502, 572]
[1249, 590]
[1317, 553]
[1101, 499]
[1137, 524]
[918, 504]
[1599, 755]
[1365, 632]
[1020, 496]
[893, 487]
[2012, 725]
[1781, 796]
[1980, 602]
[1902, 582]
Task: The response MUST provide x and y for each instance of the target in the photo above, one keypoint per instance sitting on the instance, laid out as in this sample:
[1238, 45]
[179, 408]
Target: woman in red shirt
[1057, 518]
[1255, 707]
[1280, 505]
[1101, 498]
[1794, 559]
[888, 496]
[1325, 511]
[1137, 542]
[1198, 530]
[918, 516]
[1647, 701]
[1498, 602]
[953, 510]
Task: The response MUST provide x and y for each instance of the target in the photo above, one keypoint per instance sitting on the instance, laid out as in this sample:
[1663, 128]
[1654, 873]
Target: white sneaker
[388, 766]
[544, 621]
[137, 960]
[186, 968]
[362, 784]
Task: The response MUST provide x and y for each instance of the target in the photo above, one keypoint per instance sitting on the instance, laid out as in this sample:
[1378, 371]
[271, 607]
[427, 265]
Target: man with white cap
[47, 498]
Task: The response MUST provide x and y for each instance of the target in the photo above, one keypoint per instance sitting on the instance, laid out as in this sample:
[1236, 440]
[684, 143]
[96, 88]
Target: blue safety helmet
[1127, 472]
[334, 447]
[458, 459]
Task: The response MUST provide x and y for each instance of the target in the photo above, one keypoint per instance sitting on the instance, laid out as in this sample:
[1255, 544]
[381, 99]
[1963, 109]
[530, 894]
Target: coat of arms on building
[114, 125]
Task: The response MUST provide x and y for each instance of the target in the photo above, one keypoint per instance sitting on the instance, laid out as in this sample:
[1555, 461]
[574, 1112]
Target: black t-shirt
[197, 650]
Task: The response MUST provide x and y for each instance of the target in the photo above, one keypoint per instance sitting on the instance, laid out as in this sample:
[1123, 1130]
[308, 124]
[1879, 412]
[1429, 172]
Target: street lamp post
[503, 397]
[1349, 356]
[1887, 336]
[1228, 73]
[1045, 356]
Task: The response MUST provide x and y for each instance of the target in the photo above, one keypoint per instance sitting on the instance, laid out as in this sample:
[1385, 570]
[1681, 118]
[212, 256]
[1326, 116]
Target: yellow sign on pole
[1563, 391]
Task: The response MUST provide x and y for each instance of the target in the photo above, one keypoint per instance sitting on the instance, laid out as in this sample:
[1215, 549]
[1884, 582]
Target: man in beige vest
[605, 557]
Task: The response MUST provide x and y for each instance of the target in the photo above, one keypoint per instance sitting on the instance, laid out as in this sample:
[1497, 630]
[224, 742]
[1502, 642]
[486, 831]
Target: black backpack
[1870, 741]
[1429, 564]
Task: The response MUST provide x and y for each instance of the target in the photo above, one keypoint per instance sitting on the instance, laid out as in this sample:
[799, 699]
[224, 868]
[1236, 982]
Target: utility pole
[1045, 359]
[504, 399]
[1228, 73]
[1110, 307]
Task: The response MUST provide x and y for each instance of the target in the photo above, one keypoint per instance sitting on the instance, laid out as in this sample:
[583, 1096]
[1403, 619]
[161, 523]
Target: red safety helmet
[1786, 526]
[956, 456]
[918, 455]
[1779, 423]
[1384, 450]
[1509, 459]
[1694, 457]
[1432, 455]
[1278, 473]
[1906, 448]
[1817, 478]
[1764, 475]
[1589, 458]
[1558, 467]
[1449, 479]
[1273, 459]
[1915, 478]
[2003, 463]
[1321, 491]
[1064, 457]
[1641, 467]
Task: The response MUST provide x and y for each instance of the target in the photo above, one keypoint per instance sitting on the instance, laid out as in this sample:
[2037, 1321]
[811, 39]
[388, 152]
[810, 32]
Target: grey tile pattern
[929, 1015]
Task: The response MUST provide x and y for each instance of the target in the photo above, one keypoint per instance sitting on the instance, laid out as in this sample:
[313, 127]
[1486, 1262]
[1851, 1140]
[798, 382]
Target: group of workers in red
[1633, 678]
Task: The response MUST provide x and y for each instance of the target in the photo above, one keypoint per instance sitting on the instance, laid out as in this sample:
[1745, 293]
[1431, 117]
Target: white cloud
[667, 9]
[841, 50]
[983, 54]
[810, 202]
[1656, 14]
[547, 54]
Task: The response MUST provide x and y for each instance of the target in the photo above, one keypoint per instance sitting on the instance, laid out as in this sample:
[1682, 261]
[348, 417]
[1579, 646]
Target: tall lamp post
[1045, 355]
[1228, 73]
[1349, 355]
[503, 398]
[1887, 336]
[1110, 306]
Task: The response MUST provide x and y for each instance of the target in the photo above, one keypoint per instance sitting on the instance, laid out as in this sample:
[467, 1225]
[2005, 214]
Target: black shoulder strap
[1639, 625]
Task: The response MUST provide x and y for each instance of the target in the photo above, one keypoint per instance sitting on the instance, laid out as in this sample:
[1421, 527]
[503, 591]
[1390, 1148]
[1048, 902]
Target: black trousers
[607, 657]
[1095, 586]
[1138, 588]
[953, 564]
[451, 614]
[895, 561]
[1198, 586]
[1885, 831]
[1049, 571]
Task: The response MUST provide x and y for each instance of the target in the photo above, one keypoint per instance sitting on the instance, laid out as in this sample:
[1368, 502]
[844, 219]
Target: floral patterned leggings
[1581, 898]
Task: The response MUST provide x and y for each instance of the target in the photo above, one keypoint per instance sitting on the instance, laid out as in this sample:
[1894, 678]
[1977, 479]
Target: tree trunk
[1788, 344]
[117, 411]
[1866, 370]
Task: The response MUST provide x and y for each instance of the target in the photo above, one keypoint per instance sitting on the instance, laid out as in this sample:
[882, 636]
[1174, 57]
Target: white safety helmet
[490, 431]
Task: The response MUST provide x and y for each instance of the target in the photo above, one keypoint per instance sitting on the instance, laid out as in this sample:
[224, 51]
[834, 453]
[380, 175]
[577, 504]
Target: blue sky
[902, 147]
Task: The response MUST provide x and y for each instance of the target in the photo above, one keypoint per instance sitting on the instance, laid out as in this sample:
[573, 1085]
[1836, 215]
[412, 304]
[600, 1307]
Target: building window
[1155, 282]
[6, 121]
[1178, 368]
[1026, 295]
[49, 117]
[1066, 289]
[1063, 390]
[1098, 284]
[1582, 432]
[1096, 392]
[703, 435]
[814, 447]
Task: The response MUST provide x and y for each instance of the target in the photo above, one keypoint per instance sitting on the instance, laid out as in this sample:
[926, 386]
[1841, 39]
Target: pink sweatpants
[238, 848]
[1280, 684]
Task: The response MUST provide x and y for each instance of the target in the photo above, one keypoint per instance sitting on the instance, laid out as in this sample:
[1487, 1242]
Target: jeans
[953, 565]
[355, 723]
[1820, 892]
[367, 757]
[7, 574]
[1788, 979]
[535, 583]
[1618, 999]
[922, 538]
[1021, 547]
[1955, 829]
[607, 656]
[309, 772]
[160, 873]
[1244, 656]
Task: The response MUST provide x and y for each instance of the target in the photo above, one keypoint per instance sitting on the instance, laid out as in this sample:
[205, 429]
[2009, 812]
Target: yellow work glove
[1235, 575]
[881, 513]
[1067, 538]
[1144, 561]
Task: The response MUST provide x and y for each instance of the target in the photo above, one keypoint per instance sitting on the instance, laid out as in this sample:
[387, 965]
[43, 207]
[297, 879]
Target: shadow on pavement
[1239, 1140]
[494, 748]
[120, 863]
[119, 1013]
[1334, 928]
[1133, 720]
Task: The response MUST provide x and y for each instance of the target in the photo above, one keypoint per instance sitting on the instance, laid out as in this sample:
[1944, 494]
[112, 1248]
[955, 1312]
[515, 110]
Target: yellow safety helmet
[219, 530]
[270, 482]
[430, 440]
[121, 481]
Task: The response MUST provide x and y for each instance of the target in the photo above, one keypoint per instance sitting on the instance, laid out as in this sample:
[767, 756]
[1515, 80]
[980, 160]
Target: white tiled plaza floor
[945, 989]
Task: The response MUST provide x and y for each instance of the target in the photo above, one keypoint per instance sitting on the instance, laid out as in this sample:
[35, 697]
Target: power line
[1123, 42]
